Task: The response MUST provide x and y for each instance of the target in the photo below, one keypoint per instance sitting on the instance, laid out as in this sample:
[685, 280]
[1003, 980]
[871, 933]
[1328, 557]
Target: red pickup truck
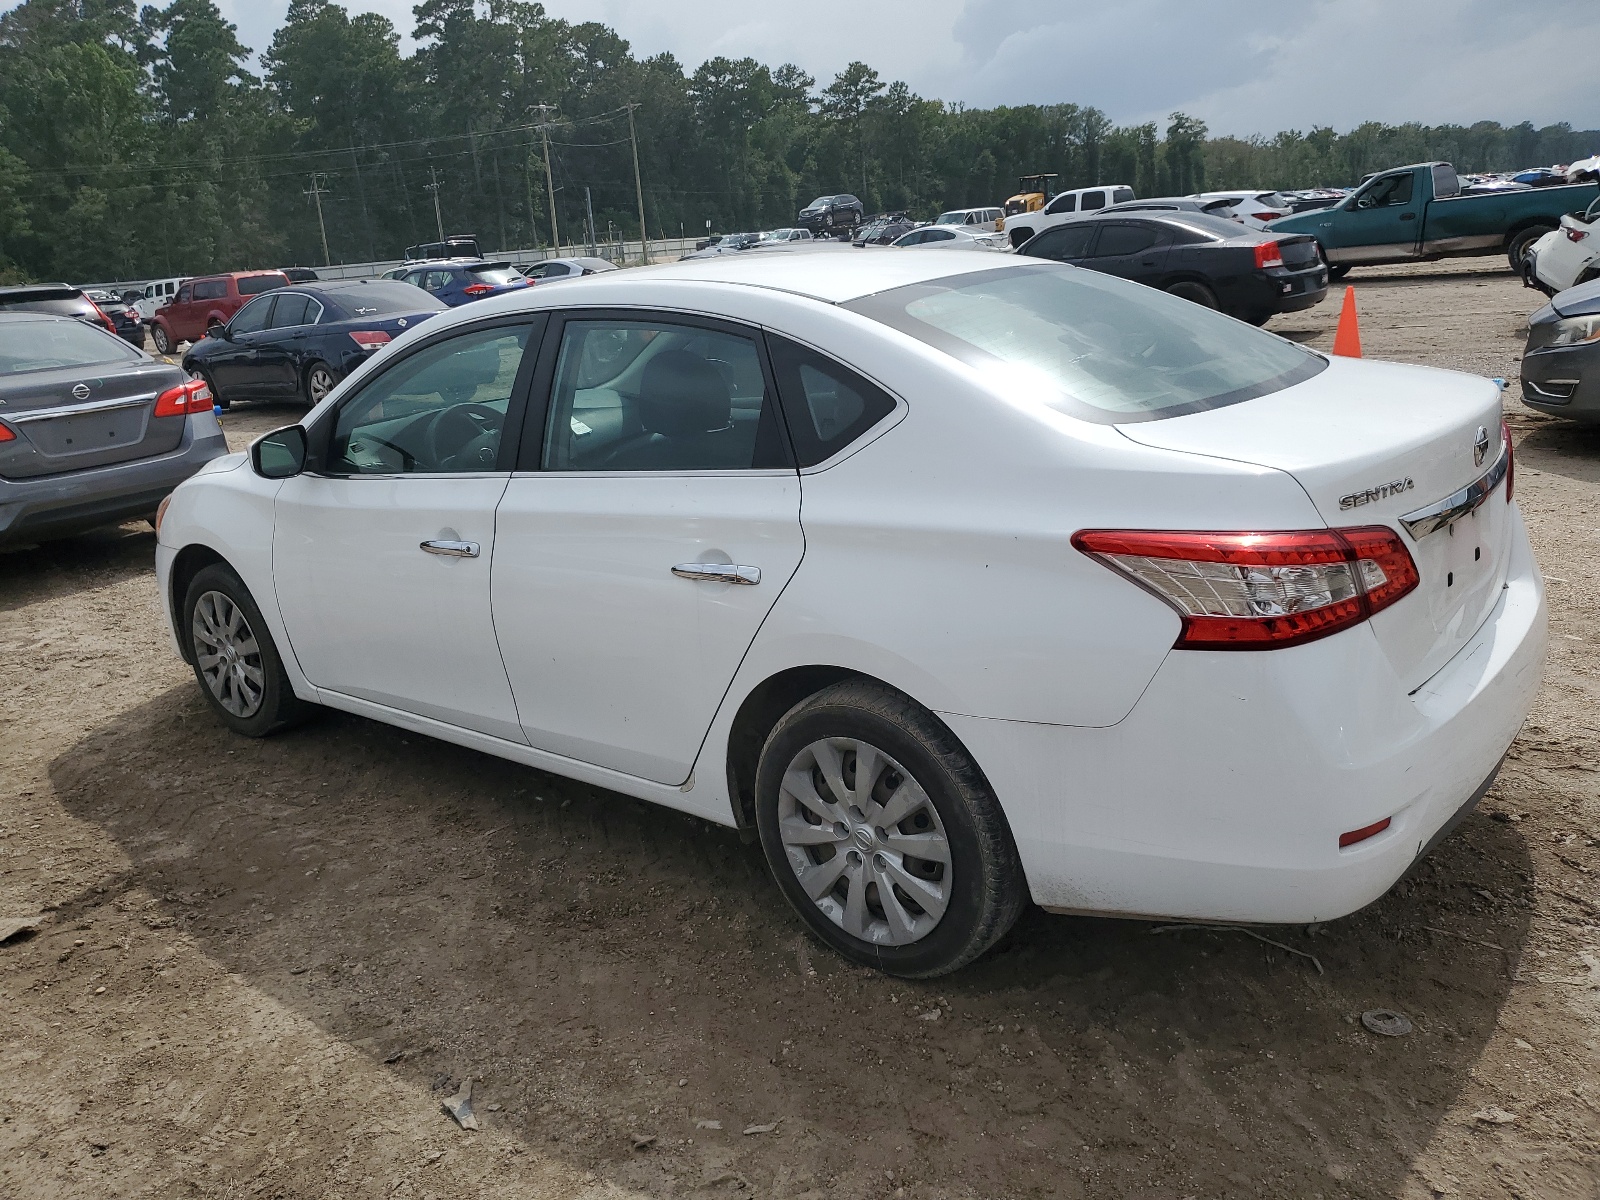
[206, 301]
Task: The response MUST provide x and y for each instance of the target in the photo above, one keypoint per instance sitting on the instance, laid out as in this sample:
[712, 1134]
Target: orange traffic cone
[1347, 338]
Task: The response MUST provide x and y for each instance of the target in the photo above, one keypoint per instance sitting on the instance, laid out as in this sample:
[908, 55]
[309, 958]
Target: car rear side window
[44, 345]
[1121, 195]
[1063, 242]
[1092, 345]
[1125, 239]
[827, 406]
[1092, 201]
[254, 285]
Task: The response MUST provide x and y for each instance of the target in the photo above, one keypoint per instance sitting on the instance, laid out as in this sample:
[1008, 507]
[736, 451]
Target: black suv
[829, 215]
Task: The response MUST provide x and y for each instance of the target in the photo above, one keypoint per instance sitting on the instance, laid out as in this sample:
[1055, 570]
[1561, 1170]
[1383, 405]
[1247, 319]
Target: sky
[1243, 67]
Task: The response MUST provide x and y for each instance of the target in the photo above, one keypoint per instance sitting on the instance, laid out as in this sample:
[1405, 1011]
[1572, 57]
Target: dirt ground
[262, 965]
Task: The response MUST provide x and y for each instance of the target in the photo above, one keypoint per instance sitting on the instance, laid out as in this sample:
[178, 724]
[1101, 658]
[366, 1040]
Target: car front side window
[252, 318]
[659, 396]
[441, 409]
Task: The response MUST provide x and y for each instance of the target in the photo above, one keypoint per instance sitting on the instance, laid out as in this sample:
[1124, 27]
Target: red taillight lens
[1365, 832]
[6, 434]
[1576, 235]
[1268, 255]
[477, 289]
[1266, 216]
[1511, 461]
[370, 339]
[1260, 591]
[191, 397]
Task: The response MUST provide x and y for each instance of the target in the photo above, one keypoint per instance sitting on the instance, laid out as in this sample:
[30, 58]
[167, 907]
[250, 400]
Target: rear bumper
[58, 505]
[1222, 795]
[1279, 291]
[1563, 381]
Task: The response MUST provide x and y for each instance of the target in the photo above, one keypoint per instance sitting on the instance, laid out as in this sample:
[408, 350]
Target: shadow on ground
[607, 969]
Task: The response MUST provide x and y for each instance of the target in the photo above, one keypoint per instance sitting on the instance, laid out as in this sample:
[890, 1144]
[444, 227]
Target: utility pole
[315, 192]
[438, 218]
[549, 179]
[588, 207]
[644, 235]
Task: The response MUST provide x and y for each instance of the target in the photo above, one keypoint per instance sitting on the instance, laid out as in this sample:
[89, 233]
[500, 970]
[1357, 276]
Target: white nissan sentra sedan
[965, 584]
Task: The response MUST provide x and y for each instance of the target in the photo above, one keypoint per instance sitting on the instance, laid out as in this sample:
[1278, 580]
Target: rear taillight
[1511, 461]
[370, 339]
[191, 397]
[1260, 591]
[6, 434]
[1268, 216]
[477, 289]
[1268, 255]
[1576, 235]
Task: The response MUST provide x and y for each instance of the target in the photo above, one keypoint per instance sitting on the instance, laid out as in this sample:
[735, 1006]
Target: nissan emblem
[81, 390]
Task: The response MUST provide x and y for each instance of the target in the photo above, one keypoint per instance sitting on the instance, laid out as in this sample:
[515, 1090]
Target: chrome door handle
[451, 549]
[718, 572]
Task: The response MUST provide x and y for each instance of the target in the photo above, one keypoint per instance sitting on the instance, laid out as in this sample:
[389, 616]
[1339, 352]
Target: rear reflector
[6, 435]
[191, 397]
[370, 339]
[1362, 834]
[1268, 255]
[1576, 235]
[1260, 591]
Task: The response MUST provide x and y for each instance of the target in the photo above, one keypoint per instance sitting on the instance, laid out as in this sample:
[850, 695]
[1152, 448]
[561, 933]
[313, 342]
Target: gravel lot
[262, 965]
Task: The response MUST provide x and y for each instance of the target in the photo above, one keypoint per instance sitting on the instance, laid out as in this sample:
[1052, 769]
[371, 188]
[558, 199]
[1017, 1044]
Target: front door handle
[1408, 216]
[451, 549]
[718, 572]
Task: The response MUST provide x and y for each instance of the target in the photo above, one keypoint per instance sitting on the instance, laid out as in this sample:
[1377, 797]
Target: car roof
[831, 272]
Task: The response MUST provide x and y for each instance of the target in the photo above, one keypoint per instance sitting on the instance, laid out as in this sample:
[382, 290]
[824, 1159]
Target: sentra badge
[1381, 492]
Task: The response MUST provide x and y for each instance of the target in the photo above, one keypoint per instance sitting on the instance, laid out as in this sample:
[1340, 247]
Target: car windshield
[497, 274]
[1093, 346]
[820, 201]
[47, 345]
[951, 218]
[381, 297]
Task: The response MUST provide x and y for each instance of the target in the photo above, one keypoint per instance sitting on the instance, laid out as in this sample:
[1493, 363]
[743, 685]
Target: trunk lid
[1371, 442]
[70, 418]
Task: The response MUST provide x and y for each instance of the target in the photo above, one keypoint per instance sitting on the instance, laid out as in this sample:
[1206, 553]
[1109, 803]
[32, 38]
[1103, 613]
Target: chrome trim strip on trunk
[1452, 508]
[73, 410]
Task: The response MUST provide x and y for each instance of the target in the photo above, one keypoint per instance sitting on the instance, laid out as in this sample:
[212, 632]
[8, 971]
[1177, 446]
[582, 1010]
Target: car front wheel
[884, 835]
[235, 659]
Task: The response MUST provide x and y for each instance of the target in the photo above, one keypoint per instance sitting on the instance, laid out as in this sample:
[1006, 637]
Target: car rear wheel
[1198, 293]
[1257, 318]
[883, 834]
[235, 659]
[1337, 271]
[217, 398]
[162, 338]
[1517, 248]
[319, 382]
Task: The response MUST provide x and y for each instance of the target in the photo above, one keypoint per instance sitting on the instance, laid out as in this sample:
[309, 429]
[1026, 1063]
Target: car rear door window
[1118, 240]
[826, 405]
[1064, 243]
[292, 311]
[659, 396]
[210, 289]
[441, 409]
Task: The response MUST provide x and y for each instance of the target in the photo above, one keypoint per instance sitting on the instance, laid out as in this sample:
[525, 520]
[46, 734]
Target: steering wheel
[456, 428]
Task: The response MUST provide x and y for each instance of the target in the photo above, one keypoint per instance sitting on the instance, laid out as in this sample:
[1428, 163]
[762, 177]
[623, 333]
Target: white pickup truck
[1062, 208]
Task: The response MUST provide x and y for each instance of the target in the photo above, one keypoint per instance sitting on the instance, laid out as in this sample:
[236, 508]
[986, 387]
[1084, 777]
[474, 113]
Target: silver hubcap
[321, 385]
[865, 842]
[226, 651]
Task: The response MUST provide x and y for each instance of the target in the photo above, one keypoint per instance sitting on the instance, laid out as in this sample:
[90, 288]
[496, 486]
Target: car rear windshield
[48, 345]
[254, 285]
[61, 306]
[497, 274]
[1091, 345]
[384, 296]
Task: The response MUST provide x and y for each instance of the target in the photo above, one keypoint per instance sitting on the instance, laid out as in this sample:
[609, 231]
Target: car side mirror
[218, 330]
[281, 454]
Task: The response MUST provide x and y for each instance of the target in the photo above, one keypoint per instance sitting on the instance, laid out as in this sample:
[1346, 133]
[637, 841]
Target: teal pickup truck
[1418, 214]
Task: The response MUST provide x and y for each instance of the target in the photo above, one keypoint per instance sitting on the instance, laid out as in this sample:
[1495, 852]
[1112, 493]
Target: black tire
[1337, 271]
[164, 343]
[277, 707]
[985, 890]
[1517, 247]
[1257, 319]
[1194, 291]
[217, 398]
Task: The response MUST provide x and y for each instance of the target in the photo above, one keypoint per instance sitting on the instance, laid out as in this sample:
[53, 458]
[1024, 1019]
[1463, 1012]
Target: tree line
[141, 142]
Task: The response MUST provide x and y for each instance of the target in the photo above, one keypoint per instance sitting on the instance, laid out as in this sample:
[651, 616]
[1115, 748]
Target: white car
[156, 293]
[975, 220]
[951, 237]
[787, 235]
[1567, 256]
[557, 270]
[1063, 207]
[1254, 209]
[964, 581]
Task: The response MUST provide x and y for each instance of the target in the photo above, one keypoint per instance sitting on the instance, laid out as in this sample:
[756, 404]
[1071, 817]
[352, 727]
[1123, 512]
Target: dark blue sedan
[296, 343]
[461, 281]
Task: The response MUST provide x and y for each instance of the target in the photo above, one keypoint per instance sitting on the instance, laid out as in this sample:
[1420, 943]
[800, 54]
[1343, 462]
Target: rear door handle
[451, 549]
[718, 572]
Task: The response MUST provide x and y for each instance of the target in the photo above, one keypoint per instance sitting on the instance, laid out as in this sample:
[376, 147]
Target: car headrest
[681, 393]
